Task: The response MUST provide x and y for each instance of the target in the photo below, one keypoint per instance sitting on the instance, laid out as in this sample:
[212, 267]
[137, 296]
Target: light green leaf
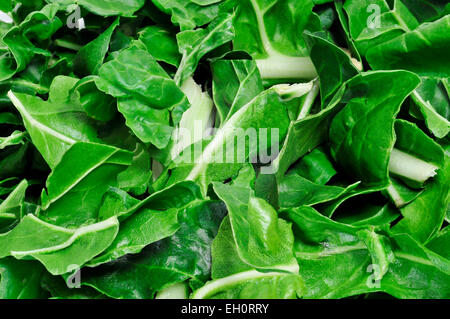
[60, 250]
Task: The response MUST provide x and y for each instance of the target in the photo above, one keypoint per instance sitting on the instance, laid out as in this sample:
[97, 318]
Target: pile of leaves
[116, 117]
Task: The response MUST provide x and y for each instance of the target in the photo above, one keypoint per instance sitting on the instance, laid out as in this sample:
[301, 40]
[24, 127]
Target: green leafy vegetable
[250, 149]
[279, 52]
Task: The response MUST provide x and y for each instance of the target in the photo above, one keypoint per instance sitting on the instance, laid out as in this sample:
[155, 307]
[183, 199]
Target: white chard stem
[286, 67]
[413, 168]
